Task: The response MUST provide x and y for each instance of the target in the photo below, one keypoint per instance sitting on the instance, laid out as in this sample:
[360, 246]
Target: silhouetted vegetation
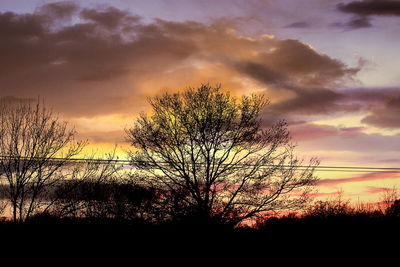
[215, 158]
[31, 137]
[335, 219]
[123, 210]
[203, 161]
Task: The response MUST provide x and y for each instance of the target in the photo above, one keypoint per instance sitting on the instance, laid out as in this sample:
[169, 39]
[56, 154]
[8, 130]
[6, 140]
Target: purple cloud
[371, 7]
[299, 25]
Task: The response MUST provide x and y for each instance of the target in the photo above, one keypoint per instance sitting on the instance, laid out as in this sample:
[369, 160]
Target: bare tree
[388, 198]
[211, 151]
[34, 146]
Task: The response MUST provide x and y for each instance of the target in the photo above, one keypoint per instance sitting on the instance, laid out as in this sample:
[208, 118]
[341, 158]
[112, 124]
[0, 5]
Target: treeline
[120, 204]
[338, 218]
[112, 202]
[202, 160]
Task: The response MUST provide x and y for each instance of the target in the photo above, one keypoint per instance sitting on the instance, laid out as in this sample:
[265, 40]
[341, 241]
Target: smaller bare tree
[34, 146]
[388, 197]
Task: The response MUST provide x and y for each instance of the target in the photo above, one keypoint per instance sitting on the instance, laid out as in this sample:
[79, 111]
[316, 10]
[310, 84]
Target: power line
[129, 162]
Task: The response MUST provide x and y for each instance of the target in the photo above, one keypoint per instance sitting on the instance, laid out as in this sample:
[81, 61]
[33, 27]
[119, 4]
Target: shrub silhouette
[103, 200]
[394, 209]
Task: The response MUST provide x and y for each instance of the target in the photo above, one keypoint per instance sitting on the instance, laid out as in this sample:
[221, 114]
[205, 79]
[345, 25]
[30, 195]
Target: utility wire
[129, 162]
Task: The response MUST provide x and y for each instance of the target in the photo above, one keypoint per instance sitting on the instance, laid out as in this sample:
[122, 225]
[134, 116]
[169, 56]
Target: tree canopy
[214, 159]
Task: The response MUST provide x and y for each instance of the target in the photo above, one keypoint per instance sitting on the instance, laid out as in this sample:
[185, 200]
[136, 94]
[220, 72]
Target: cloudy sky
[330, 68]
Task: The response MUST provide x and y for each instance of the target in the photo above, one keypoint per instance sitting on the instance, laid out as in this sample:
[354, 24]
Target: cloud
[109, 17]
[324, 194]
[262, 73]
[310, 131]
[381, 105]
[54, 63]
[393, 161]
[58, 10]
[356, 142]
[111, 61]
[88, 62]
[14, 100]
[368, 95]
[362, 178]
[371, 7]
[299, 25]
[307, 74]
[386, 117]
[305, 66]
[377, 190]
[363, 10]
[357, 22]
[104, 75]
[308, 102]
[116, 136]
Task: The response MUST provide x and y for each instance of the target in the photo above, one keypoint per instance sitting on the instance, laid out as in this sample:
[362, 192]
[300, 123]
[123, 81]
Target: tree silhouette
[34, 146]
[394, 209]
[215, 158]
[87, 189]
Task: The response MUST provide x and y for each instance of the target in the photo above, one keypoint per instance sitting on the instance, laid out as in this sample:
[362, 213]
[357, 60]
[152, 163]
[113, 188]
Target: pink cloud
[351, 130]
[365, 177]
[309, 131]
[375, 189]
[324, 194]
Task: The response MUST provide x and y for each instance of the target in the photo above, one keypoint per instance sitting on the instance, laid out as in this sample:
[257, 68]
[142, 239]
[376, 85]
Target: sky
[329, 67]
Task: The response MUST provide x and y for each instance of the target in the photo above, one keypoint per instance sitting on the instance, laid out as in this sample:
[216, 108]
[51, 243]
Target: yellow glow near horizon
[101, 150]
[350, 121]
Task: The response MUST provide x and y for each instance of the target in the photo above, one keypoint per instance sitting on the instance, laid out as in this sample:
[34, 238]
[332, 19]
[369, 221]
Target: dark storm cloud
[371, 7]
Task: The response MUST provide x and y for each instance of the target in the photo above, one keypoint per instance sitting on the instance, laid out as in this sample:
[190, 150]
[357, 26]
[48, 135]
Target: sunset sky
[329, 67]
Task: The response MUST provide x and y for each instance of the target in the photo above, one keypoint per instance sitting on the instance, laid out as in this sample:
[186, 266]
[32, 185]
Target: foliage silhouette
[30, 136]
[215, 158]
[204, 163]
